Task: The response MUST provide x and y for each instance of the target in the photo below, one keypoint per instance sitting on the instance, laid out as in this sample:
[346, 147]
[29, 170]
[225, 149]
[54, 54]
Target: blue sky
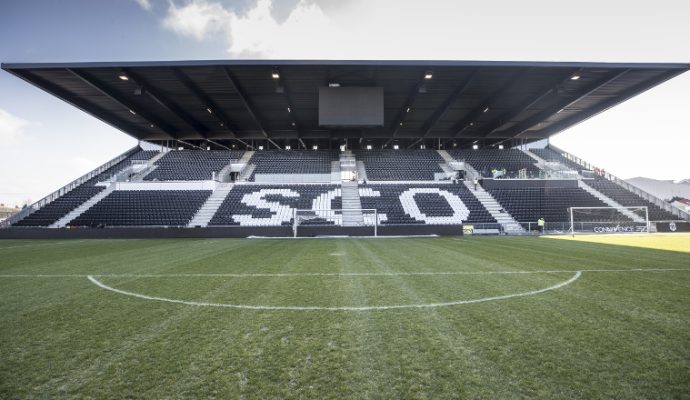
[45, 143]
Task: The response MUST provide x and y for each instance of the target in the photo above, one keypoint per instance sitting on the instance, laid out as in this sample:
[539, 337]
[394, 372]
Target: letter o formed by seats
[460, 211]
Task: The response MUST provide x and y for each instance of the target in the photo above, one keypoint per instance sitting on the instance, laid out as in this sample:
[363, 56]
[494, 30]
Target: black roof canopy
[241, 100]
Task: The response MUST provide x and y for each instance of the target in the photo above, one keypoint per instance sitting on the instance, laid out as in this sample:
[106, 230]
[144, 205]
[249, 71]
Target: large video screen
[351, 106]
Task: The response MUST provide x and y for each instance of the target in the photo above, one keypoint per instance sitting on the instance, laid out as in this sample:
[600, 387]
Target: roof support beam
[406, 108]
[533, 121]
[290, 105]
[445, 106]
[166, 103]
[515, 112]
[79, 102]
[606, 104]
[216, 111]
[468, 121]
[189, 144]
[246, 101]
[110, 93]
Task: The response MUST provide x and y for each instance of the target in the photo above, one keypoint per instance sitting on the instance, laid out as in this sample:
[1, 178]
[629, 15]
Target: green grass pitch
[620, 330]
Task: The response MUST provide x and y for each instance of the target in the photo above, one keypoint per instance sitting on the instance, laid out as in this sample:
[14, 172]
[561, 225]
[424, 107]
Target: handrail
[65, 189]
[627, 186]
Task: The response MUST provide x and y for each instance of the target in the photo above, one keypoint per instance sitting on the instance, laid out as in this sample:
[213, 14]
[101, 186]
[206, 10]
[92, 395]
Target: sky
[45, 143]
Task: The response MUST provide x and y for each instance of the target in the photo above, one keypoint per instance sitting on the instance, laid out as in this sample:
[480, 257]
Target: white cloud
[306, 33]
[442, 29]
[11, 127]
[197, 19]
[145, 4]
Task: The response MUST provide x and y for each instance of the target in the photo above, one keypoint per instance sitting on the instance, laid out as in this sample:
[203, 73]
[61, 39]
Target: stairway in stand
[211, 206]
[150, 167]
[352, 206]
[610, 202]
[510, 225]
[72, 215]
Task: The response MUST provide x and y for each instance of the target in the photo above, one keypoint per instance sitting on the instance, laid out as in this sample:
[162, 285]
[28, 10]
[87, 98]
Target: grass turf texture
[606, 335]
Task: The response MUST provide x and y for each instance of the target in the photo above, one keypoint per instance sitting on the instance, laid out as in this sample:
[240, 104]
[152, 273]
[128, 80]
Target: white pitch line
[314, 308]
[333, 274]
[44, 244]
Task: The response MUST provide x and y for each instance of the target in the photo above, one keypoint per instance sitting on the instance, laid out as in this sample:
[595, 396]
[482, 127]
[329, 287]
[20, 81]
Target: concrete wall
[224, 232]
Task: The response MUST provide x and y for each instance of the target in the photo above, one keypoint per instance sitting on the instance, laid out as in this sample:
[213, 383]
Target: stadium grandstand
[281, 148]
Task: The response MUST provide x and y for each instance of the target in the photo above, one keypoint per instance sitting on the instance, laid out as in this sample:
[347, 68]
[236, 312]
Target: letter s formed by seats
[279, 213]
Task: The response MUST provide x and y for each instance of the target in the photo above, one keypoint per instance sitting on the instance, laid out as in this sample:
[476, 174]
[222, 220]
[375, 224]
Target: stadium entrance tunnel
[324, 291]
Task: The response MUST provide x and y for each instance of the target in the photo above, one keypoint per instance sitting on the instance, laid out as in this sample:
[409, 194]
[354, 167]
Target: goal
[359, 218]
[601, 220]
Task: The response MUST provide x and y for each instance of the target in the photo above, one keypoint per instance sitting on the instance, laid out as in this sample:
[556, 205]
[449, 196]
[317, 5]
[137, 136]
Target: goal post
[601, 220]
[365, 217]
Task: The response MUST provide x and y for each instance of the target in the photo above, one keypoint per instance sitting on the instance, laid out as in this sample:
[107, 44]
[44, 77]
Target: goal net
[359, 218]
[601, 220]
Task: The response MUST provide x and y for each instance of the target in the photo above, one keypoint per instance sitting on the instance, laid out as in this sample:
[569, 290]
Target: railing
[65, 189]
[625, 185]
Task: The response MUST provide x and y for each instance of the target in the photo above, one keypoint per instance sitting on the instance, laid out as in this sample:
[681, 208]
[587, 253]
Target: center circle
[558, 285]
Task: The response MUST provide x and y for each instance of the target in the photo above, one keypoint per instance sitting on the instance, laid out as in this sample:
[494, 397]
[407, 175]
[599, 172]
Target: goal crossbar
[361, 217]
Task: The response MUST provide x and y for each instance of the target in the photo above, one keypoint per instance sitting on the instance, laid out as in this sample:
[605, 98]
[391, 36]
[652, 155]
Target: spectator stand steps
[552, 156]
[446, 157]
[150, 167]
[245, 167]
[335, 172]
[509, 224]
[362, 171]
[58, 208]
[627, 198]
[352, 205]
[141, 208]
[540, 161]
[74, 214]
[211, 206]
[610, 202]
[246, 172]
